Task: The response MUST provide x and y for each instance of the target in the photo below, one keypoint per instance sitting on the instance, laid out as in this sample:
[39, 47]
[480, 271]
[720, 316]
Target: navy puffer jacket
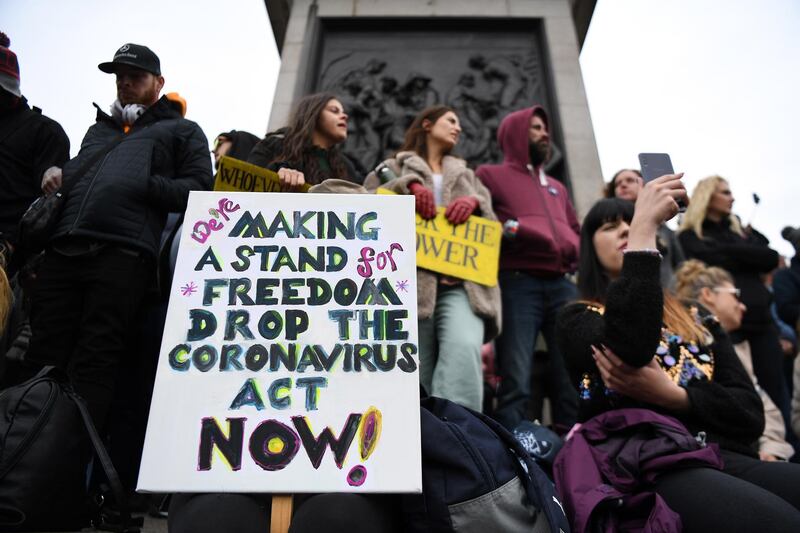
[126, 196]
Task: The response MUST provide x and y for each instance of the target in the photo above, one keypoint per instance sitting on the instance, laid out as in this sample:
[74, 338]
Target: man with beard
[136, 165]
[540, 247]
[30, 143]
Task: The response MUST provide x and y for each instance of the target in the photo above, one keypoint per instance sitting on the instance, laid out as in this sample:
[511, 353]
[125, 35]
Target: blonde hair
[678, 319]
[694, 275]
[698, 207]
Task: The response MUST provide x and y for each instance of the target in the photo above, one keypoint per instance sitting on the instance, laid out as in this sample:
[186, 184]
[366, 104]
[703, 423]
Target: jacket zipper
[477, 458]
[543, 199]
[34, 432]
[88, 191]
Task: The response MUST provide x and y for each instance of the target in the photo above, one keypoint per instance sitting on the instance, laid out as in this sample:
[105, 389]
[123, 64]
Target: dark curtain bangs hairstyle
[298, 145]
[416, 134]
[592, 278]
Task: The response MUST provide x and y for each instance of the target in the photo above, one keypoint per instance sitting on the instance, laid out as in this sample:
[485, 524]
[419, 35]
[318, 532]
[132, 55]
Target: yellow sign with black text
[236, 175]
[469, 251]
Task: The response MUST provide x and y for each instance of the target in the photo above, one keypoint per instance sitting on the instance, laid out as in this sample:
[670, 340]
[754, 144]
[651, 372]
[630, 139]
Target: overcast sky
[712, 82]
[219, 55]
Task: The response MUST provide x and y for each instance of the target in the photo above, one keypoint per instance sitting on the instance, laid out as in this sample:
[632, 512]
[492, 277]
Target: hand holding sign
[425, 204]
[469, 250]
[292, 180]
[235, 175]
[460, 209]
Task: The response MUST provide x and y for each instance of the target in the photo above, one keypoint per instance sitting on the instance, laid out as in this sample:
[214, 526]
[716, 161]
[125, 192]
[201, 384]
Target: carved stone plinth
[387, 59]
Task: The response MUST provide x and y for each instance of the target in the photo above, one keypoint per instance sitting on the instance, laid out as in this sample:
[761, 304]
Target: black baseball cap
[133, 55]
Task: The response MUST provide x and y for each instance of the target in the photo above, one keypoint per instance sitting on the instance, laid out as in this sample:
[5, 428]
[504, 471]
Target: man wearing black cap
[136, 165]
[30, 143]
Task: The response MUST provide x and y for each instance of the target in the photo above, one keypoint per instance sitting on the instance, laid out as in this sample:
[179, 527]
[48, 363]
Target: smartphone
[657, 165]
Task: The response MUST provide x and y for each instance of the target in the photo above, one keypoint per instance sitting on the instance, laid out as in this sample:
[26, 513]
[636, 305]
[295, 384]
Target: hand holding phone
[655, 204]
[657, 165]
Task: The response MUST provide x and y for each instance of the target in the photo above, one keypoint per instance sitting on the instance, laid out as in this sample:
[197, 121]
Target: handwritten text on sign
[289, 358]
[468, 251]
[236, 175]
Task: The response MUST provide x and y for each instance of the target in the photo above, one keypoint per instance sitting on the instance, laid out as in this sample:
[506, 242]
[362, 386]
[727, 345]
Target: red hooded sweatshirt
[547, 239]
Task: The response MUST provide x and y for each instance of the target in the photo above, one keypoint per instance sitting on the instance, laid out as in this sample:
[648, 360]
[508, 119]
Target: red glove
[425, 203]
[460, 209]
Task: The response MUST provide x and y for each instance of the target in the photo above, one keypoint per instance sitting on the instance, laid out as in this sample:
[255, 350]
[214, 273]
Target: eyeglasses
[737, 293]
[218, 141]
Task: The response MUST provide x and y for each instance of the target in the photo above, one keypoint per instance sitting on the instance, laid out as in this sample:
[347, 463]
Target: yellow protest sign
[469, 251]
[236, 175]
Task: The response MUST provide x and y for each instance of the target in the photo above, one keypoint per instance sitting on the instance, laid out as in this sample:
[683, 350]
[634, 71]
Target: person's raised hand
[460, 209]
[424, 203]
[657, 202]
[291, 180]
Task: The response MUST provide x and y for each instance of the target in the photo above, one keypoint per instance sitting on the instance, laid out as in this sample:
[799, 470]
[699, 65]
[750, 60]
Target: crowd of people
[697, 324]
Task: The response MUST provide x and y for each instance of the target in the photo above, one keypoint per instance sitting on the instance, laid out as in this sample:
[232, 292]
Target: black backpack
[45, 435]
[477, 477]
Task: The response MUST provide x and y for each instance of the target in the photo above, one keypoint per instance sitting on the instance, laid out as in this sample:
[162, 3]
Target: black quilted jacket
[125, 197]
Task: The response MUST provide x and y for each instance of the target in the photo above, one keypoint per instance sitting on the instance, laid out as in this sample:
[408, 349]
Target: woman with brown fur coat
[455, 316]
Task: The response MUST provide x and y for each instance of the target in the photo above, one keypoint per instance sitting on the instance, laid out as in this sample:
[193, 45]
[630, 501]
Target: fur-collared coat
[457, 181]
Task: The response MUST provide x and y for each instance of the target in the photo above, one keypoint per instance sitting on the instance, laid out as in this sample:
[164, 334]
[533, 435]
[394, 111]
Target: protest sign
[469, 251]
[236, 175]
[289, 357]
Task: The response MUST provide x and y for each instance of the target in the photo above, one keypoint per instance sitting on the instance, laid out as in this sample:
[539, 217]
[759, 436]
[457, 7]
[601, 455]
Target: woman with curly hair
[714, 289]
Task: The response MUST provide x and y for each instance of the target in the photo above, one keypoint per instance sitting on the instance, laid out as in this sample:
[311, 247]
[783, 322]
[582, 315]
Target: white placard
[289, 357]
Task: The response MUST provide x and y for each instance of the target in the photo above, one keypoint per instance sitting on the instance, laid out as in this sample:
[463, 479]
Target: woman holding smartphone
[629, 344]
[626, 185]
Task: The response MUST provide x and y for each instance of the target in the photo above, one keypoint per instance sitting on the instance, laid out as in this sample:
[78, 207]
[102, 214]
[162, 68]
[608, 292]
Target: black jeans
[82, 314]
[748, 495]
